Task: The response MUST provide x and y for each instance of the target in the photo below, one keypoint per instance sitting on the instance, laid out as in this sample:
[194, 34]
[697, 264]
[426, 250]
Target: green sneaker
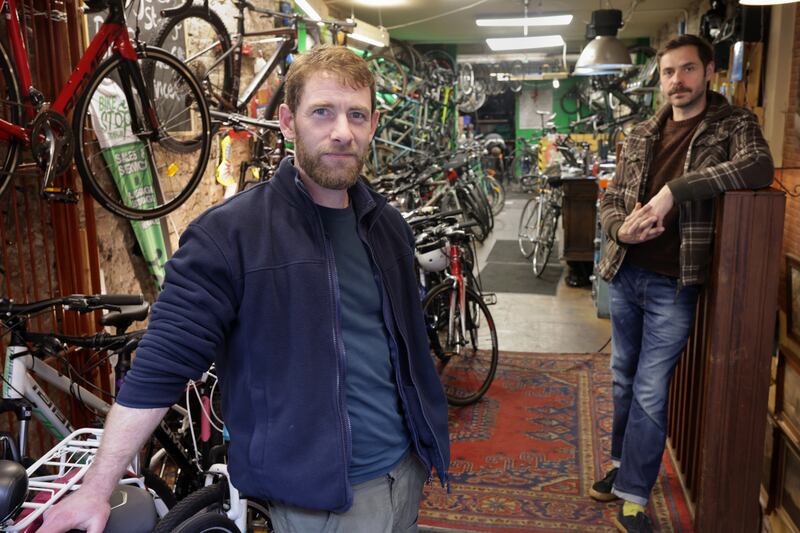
[601, 490]
[638, 523]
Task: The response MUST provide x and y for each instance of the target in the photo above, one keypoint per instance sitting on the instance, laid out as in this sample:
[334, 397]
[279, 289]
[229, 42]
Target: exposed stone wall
[123, 268]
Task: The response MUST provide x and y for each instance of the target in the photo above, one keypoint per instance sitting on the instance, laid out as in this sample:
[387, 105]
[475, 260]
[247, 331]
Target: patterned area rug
[524, 457]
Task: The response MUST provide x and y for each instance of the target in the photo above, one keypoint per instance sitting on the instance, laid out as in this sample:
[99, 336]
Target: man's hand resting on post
[639, 226]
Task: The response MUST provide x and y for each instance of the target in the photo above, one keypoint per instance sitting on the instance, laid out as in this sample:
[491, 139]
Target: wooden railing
[718, 401]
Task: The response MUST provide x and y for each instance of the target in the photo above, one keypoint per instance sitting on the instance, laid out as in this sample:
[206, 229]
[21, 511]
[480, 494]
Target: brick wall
[790, 177]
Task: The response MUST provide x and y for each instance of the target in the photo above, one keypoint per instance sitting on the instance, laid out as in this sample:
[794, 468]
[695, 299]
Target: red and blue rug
[524, 457]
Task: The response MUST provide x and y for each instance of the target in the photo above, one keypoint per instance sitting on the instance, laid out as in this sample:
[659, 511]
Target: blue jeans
[650, 324]
[387, 504]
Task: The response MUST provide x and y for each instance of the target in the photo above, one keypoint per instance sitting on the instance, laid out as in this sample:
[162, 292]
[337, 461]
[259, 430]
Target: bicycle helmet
[432, 257]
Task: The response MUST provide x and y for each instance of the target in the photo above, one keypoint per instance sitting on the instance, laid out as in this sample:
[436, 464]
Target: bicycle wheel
[494, 191]
[390, 81]
[465, 359]
[10, 111]
[212, 499]
[472, 213]
[529, 226]
[131, 171]
[544, 241]
[524, 163]
[207, 523]
[206, 52]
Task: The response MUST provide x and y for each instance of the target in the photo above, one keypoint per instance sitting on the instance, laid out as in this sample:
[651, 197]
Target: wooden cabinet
[580, 211]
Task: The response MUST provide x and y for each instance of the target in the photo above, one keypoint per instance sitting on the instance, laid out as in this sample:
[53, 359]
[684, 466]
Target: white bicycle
[25, 494]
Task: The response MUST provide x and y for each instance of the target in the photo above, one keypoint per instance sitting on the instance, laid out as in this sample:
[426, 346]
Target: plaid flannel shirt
[726, 152]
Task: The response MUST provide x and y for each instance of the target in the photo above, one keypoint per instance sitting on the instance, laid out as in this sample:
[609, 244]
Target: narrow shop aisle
[524, 457]
[562, 321]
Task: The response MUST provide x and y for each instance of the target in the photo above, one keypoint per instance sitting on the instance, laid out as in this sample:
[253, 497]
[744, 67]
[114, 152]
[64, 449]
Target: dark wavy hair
[704, 50]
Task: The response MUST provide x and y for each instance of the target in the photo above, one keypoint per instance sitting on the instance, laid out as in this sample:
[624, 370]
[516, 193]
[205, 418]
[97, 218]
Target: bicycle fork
[457, 297]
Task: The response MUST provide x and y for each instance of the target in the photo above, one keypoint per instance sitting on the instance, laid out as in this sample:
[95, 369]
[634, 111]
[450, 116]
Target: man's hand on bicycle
[85, 510]
[640, 225]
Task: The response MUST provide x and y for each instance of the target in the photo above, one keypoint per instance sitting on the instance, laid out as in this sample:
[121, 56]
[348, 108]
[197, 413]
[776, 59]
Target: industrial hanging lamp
[605, 54]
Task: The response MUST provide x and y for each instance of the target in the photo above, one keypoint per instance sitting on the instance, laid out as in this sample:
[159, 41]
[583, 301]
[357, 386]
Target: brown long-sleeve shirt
[662, 254]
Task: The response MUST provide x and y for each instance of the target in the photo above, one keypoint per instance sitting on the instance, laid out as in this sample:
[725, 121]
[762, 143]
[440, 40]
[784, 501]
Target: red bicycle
[140, 132]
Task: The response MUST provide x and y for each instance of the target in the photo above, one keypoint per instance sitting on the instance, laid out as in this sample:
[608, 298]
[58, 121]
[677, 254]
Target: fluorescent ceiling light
[307, 9]
[594, 71]
[765, 2]
[381, 3]
[521, 43]
[365, 39]
[369, 34]
[549, 20]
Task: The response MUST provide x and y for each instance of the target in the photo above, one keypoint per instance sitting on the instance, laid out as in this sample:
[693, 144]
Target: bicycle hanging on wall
[140, 133]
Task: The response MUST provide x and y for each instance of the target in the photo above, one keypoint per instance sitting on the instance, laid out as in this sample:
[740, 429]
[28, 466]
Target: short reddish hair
[339, 61]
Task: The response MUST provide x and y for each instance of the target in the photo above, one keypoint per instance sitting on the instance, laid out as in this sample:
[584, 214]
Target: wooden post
[739, 338]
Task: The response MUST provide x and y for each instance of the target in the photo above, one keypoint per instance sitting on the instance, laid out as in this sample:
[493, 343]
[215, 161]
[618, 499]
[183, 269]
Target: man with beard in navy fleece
[303, 292]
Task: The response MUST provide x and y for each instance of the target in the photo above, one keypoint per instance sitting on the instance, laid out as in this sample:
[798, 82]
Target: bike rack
[70, 459]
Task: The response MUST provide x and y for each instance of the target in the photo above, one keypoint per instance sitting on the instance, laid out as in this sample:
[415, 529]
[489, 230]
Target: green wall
[562, 119]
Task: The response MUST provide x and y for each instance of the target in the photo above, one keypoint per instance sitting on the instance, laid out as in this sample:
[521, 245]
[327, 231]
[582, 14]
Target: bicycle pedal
[489, 298]
[58, 194]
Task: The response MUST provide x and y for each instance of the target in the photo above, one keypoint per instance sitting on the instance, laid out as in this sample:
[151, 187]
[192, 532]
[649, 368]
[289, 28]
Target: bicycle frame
[19, 384]
[454, 252]
[113, 34]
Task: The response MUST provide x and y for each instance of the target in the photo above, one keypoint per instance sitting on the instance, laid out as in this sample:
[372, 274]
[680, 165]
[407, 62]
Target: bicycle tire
[482, 205]
[391, 81]
[471, 213]
[10, 107]
[455, 369]
[183, 133]
[160, 487]
[207, 500]
[543, 246]
[497, 194]
[194, 503]
[528, 227]
[207, 523]
[220, 86]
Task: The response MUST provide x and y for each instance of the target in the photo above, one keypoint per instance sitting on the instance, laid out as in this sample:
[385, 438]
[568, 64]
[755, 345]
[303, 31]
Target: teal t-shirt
[380, 438]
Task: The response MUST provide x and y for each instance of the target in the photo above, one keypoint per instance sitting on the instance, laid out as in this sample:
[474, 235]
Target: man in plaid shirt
[658, 214]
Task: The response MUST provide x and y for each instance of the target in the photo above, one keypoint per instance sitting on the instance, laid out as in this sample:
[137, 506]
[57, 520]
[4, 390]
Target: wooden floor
[564, 323]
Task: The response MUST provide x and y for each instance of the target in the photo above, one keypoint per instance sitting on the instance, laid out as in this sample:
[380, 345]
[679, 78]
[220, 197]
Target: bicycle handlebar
[80, 303]
[343, 24]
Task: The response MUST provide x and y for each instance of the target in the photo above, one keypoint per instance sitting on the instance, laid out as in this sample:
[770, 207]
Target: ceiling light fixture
[525, 43]
[766, 2]
[605, 54]
[381, 3]
[549, 20]
[307, 9]
[369, 34]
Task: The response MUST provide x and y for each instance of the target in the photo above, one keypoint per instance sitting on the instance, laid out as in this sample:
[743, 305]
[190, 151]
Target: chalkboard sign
[146, 15]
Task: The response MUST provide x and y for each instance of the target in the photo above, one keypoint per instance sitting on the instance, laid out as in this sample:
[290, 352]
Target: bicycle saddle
[13, 488]
[126, 315]
[132, 511]
[457, 163]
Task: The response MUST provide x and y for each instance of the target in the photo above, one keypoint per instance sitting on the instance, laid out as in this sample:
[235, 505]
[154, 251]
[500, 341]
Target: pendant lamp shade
[604, 54]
